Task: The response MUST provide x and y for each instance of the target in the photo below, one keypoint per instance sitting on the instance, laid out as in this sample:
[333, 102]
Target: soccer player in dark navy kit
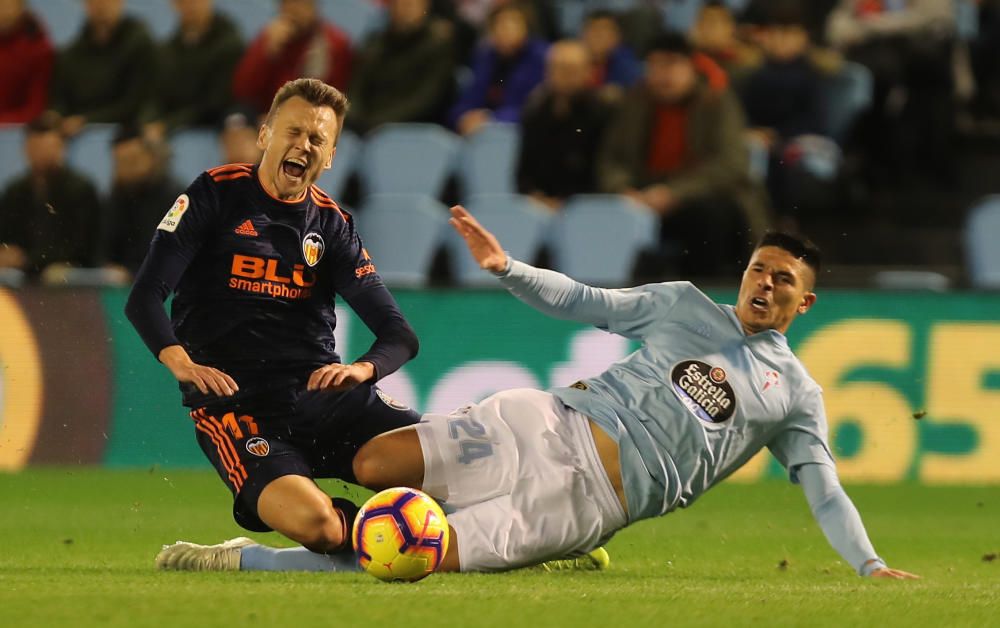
[255, 256]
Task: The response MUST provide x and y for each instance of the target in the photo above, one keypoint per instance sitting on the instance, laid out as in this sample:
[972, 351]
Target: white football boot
[186, 556]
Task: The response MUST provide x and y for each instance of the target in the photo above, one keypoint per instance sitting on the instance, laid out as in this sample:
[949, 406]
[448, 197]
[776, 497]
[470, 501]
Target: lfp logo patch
[174, 214]
[313, 248]
[258, 446]
[704, 391]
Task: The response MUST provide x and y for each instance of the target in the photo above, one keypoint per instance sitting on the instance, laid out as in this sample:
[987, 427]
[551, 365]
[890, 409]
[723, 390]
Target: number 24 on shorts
[473, 447]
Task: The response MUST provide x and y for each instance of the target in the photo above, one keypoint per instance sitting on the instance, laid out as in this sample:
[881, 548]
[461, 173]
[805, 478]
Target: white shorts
[521, 473]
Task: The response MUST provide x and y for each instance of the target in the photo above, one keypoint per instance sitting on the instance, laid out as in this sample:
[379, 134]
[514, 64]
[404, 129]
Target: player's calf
[297, 508]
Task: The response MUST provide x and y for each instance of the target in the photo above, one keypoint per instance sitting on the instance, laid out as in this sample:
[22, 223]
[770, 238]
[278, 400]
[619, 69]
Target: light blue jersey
[697, 400]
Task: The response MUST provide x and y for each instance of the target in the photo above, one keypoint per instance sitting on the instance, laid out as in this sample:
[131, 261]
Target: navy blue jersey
[255, 280]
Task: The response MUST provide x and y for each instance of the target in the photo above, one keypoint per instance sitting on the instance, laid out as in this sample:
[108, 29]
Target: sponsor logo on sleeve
[313, 248]
[704, 391]
[258, 446]
[174, 215]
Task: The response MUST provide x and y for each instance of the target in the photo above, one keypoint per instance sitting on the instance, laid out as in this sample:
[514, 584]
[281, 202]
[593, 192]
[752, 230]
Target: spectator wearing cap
[506, 67]
[676, 146]
[26, 59]
[296, 43]
[196, 69]
[50, 216]
[105, 75]
[406, 72]
[141, 193]
[561, 129]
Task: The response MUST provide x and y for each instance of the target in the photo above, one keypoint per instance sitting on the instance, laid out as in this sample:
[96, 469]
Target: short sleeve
[190, 219]
[804, 437]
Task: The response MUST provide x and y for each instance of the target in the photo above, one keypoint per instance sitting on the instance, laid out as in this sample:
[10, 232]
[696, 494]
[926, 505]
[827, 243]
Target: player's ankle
[348, 511]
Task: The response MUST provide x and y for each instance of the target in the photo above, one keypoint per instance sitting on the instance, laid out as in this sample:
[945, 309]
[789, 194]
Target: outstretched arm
[622, 311]
[841, 522]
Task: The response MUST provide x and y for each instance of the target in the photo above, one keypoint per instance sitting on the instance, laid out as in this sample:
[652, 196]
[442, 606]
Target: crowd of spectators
[622, 105]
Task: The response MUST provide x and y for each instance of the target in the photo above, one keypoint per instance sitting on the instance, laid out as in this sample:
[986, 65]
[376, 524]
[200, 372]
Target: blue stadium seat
[250, 16]
[349, 148]
[158, 15]
[193, 151]
[488, 161]
[598, 237]
[12, 161]
[982, 232]
[967, 19]
[63, 19]
[569, 16]
[679, 15]
[519, 223]
[402, 232]
[357, 18]
[408, 159]
[849, 93]
[90, 153]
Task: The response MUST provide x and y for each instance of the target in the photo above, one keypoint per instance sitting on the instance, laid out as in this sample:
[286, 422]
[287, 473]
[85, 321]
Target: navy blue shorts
[315, 434]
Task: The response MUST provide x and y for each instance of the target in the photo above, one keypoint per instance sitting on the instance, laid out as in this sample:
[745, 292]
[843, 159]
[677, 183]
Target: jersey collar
[296, 204]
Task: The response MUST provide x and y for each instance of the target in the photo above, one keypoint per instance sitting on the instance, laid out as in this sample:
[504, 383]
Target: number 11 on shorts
[474, 446]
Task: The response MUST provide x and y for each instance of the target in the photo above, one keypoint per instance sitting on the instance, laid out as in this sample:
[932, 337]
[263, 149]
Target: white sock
[264, 558]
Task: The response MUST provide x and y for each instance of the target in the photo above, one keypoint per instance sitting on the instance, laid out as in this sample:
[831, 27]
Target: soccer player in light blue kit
[535, 476]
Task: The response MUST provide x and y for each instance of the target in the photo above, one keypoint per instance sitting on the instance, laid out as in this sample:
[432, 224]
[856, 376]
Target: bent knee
[369, 466]
[393, 459]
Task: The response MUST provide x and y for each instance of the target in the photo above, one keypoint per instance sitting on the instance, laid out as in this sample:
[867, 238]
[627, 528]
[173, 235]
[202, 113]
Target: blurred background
[618, 141]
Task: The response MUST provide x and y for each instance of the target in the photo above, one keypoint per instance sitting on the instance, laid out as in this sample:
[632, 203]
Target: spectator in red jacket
[296, 43]
[26, 59]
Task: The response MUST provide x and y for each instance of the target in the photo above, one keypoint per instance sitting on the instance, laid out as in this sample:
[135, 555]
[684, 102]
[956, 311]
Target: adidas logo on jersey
[246, 229]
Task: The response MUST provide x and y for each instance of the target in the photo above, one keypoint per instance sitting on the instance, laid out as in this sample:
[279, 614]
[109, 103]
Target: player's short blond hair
[316, 93]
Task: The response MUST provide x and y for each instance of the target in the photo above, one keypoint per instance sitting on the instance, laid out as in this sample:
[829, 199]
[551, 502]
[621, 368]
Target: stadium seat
[849, 93]
[357, 18]
[679, 15]
[598, 237]
[334, 180]
[569, 16]
[967, 19]
[63, 19]
[250, 16]
[519, 223]
[12, 162]
[158, 15]
[402, 232]
[488, 160]
[408, 159]
[982, 232]
[90, 153]
[193, 151]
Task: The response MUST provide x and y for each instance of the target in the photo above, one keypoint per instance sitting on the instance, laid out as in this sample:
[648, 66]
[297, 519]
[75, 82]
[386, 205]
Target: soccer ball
[400, 534]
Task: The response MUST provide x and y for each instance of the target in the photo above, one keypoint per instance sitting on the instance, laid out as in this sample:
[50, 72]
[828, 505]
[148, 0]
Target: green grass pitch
[77, 545]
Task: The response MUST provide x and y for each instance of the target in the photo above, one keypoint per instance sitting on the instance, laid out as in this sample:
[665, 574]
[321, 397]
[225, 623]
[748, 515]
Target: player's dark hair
[316, 93]
[799, 246]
